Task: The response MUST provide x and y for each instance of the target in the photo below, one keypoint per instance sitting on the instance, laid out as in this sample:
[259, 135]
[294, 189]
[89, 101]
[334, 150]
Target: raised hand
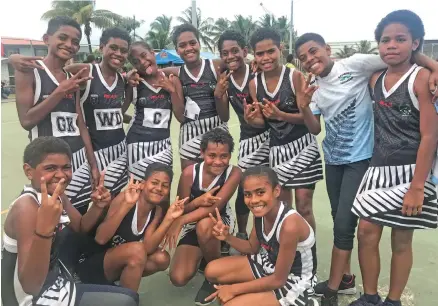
[222, 84]
[73, 84]
[50, 209]
[220, 230]
[251, 111]
[208, 199]
[176, 209]
[305, 92]
[167, 83]
[132, 192]
[25, 63]
[133, 78]
[101, 197]
[270, 110]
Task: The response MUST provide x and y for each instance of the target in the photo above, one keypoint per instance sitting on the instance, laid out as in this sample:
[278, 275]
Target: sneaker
[312, 302]
[362, 301]
[233, 251]
[205, 291]
[202, 266]
[225, 248]
[331, 301]
[348, 288]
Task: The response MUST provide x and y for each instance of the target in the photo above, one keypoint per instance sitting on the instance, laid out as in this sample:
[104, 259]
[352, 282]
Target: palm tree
[347, 51]
[220, 26]
[204, 26]
[245, 26]
[267, 21]
[85, 14]
[130, 25]
[159, 35]
[364, 47]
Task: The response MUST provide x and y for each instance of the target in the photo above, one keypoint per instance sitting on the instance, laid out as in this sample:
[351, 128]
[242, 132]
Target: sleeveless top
[281, 132]
[62, 120]
[153, 114]
[58, 280]
[199, 91]
[128, 230]
[102, 108]
[236, 96]
[397, 122]
[305, 255]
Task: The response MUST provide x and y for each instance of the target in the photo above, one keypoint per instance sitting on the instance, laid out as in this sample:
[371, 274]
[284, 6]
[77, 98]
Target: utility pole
[194, 14]
[134, 27]
[291, 35]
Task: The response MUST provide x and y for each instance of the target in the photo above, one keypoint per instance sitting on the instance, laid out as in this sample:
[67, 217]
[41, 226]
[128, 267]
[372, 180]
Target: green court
[157, 289]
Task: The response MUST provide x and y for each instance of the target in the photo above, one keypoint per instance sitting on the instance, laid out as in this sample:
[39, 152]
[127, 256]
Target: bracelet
[43, 236]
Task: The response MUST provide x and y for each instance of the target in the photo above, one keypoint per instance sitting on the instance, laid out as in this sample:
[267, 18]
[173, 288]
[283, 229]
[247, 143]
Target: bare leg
[210, 246]
[401, 261]
[304, 205]
[125, 262]
[185, 163]
[255, 299]
[157, 261]
[286, 196]
[184, 264]
[369, 235]
[229, 270]
[339, 261]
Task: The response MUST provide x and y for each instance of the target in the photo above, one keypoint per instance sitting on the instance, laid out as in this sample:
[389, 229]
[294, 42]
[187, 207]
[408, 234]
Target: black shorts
[90, 267]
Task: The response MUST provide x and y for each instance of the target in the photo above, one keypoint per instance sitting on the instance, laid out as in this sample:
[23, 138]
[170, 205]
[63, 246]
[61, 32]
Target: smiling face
[143, 60]
[267, 55]
[188, 47]
[115, 53]
[314, 57]
[259, 195]
[64, 43]
[157, 187]
[53, 168]
[233, 55]
[216, 158]
[396, 44]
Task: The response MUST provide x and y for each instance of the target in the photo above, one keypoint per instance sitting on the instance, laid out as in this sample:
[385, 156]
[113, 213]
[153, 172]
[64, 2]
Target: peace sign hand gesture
[101, 197]
[25, 63]
[132, 193]
[222, 84]
[176, 209]
[167, 83]
[220, 230]
[208, 199]
[50, 209]
[133, 78]
[72, 84]
[305, 92]
[270, 110]
[250, 111]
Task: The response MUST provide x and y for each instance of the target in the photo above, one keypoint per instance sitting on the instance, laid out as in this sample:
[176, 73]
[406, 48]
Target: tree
[205, 26]
[245, 26]
[347, 51]
[130, 25]
[364, 47]
[85, 14]
[220, 26]
[159, 35]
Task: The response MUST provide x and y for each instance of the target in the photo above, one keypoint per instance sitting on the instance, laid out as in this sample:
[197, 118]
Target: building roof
[21, 41]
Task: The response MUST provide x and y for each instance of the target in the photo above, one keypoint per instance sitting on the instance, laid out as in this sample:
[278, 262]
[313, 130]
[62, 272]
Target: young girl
[396, 191]
[198, 78]
[155, 97]
[36, 229]
[132, 231]
[281, 251]
[209, 185]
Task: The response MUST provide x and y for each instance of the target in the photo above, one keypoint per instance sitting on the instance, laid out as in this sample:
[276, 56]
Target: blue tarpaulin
[165, 57]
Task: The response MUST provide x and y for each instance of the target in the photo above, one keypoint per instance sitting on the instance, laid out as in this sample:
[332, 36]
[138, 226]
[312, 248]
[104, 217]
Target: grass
[157, 290]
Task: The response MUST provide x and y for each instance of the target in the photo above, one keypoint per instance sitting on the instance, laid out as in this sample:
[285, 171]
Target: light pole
[194, 14]
[291, 35]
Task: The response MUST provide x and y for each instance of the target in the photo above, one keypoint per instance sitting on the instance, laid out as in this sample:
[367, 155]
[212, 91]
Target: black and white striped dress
[397, 139]
[303, 268]
[102, 108]
[58, 289]
[148, 137]
[61, 122]
[200, 109]
[254, 142]
[294, 153]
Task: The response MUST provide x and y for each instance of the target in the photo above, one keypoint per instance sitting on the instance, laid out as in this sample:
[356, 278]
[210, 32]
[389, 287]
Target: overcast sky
[336, 20]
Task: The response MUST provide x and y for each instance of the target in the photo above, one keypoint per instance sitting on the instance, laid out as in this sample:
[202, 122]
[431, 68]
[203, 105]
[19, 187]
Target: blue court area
[157, 290]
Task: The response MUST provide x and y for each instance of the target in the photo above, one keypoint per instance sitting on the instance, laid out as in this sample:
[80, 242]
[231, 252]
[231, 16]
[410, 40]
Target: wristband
[43, 236]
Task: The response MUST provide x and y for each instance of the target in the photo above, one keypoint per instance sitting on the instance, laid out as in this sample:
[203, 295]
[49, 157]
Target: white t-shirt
[343, 99]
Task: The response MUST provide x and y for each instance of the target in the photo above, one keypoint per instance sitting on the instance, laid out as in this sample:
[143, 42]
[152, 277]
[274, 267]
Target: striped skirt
[293, 293]
[191, 134]
[380, 198]
[114, 161]
[254, 151]
[297, 163]
[142, 154]
[79, 189]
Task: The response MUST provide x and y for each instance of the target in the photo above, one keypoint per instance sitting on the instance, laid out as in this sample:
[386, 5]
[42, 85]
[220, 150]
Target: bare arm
[432, 65]
[171, 70]
[184, 186]
[177, 99]
[220, 94]
[253, 116]
[78, 222]
[75, 68]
